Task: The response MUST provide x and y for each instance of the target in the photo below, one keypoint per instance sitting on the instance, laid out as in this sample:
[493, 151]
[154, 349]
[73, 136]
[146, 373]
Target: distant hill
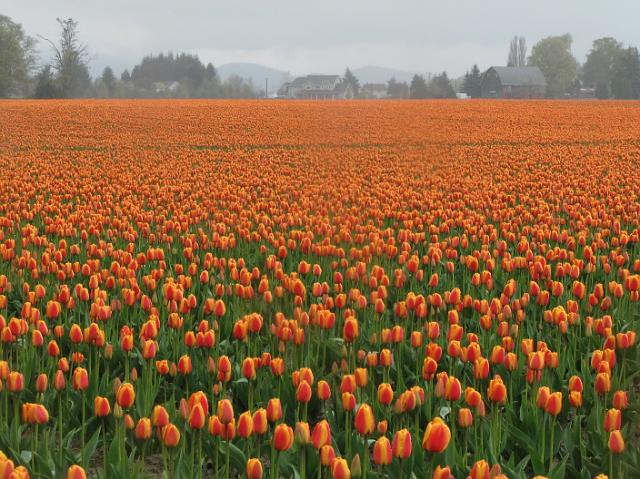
[256, 73]
[376, 74]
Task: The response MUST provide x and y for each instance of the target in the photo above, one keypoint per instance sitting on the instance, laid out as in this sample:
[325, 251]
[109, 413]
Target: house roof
[520, 76]
[316, 81]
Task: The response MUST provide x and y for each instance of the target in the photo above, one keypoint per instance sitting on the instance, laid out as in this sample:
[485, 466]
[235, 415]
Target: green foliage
[17, 58]
[554, 58]
[396, 89]
[352, 81]
[626, 75]
[598, 69]
[418, 88]
[472, 82]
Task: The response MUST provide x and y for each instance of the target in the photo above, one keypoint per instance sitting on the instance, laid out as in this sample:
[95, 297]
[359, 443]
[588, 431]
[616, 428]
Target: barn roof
[520, 76]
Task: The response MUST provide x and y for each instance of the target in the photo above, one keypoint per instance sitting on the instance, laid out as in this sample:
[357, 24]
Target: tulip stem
[82, 428]
[226, 460]
[544, 420]
[365, 463]
[200, 453]
[104, 447]
[551, 448]
[60, 425]
[611, 464]
[303, 462]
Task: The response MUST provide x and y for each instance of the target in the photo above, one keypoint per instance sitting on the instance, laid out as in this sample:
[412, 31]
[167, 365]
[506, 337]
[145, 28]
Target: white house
[316, 87]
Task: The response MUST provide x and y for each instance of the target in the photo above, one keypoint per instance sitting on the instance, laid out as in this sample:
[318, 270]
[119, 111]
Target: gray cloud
[300, 37]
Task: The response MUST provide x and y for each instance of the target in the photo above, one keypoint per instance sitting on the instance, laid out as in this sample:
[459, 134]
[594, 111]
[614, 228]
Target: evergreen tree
[350, 79]
[109, 81]
[418, 87]
[45, 83]
[472, 82]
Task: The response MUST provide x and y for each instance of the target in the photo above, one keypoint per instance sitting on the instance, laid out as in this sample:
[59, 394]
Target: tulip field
[266, 289]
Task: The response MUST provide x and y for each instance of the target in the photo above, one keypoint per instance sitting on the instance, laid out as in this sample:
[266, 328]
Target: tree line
[66, 74]
[611, 70]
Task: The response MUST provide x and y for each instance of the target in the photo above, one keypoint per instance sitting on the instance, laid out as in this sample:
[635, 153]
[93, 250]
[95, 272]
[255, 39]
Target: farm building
[316, 87]
[374, 90]
[513, 82]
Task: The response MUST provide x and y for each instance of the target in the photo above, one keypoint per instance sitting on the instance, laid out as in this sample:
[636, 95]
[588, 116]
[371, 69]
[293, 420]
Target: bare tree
[517, 52]
[70, 60]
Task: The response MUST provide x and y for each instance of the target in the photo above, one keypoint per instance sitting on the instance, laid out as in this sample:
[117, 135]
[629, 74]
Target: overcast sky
[300, 36]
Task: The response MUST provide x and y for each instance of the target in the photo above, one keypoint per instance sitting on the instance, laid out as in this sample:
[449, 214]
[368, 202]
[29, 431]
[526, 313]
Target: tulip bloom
[612, 420]
[465, 417]
[225, 411]
[327, 455]
[480, 470]
[282, 437]
[364, 421]
[254, 468]
[402, 446]
[340, 469]
[302, 434]
[321, 435]
[197, 417]
[159, 416]
[170, 435]
[245, 424]
[125, 396]
[436, 436]
[260, 422]
[382, 452]
[323, 390]
[553, 405]
[497, 391]
[101, 406]
[15, 382]
[143, 429]
[274, 410]
[76, 472]
[80, 379]
[620, 400]
[616, 442]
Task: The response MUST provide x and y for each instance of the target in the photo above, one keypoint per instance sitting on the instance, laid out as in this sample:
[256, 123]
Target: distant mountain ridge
[257, 73]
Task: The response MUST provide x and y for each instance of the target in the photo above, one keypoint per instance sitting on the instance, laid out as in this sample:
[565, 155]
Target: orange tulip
[497, 391]
[197, 417]
[436, 436]
[480, 470]
[401, 446]
[274, 410]
[616, 442]
[260, 421]
[321, 435]
[143, 429]
[125, 396]
[282, 437]
[80, 379]
[465, 417]
[245, 424]
[553, 406]
[612, 420]
[340, 469]
[254, 468]
[170, 435]
[101, 406]
[382, 452]
[76, 472]
[364, 421]
[225, 411]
